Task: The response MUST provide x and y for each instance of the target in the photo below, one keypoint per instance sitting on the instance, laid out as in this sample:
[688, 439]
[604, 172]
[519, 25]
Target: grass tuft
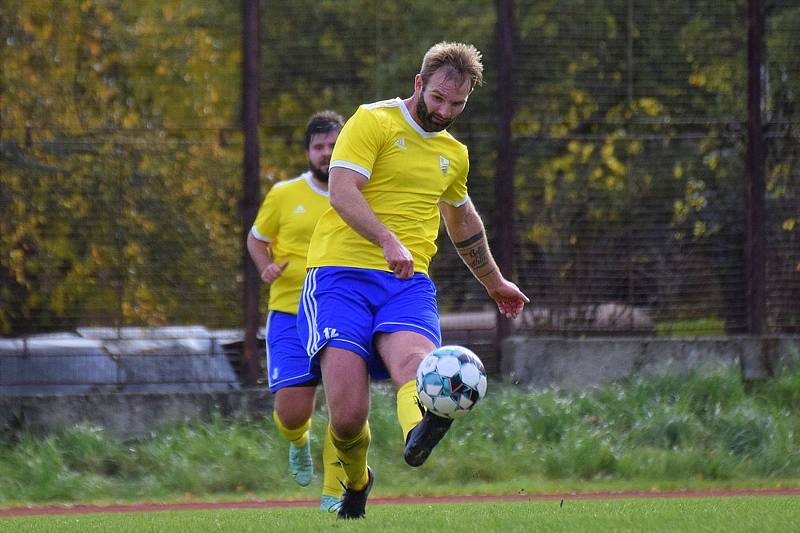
[661, 430]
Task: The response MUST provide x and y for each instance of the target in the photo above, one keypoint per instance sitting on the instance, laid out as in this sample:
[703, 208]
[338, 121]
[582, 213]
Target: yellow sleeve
[456, 193]
[267, 221]
[359, 142]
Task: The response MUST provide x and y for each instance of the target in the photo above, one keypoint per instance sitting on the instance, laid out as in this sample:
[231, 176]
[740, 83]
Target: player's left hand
[398, 258]
[509, 299]
[273, 271]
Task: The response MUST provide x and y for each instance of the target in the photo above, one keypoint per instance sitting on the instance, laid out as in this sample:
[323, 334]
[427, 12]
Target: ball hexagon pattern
[450, 381]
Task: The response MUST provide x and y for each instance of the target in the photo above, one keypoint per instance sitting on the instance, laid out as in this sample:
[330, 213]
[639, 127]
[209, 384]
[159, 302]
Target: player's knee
[348, 426]
[345, 431]
[293, 419]
[405, 367]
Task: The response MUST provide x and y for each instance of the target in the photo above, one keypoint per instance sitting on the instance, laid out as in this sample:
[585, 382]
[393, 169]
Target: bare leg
[294, 405]
[292, 414]
[346, 382]
[402, 352]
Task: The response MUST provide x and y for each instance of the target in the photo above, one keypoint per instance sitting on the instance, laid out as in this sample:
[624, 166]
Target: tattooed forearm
[471, 241]
[477, 258]
[490, 271]
[474, 251]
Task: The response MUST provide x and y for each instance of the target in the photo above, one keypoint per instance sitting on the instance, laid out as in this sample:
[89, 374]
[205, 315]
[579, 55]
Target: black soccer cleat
[424, 437]
[354, 503]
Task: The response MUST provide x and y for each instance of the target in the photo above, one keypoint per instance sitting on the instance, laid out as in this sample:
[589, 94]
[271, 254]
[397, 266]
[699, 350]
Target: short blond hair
[463, 61]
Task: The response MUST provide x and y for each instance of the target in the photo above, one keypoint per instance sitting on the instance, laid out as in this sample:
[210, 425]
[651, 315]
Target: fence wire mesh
[121, 154]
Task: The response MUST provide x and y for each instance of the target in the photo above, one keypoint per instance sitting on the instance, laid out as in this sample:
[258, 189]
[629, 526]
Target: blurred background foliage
[120, 150]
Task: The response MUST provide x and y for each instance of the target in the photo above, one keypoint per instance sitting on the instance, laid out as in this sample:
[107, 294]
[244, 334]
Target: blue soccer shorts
[346, 307]
[287, 362]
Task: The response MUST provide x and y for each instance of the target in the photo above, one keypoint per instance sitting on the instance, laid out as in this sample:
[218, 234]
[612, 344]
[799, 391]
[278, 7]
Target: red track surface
[260, 504]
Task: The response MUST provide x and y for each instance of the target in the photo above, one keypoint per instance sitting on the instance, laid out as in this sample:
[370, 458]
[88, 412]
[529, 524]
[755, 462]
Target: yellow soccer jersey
[409, 172]
[286, 220]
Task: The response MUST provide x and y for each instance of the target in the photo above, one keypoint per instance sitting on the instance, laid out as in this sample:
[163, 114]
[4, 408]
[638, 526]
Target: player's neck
[322, 185]
[411, 106]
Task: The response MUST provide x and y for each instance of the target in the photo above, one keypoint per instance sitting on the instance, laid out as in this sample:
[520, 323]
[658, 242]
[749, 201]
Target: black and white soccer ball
[450, 381]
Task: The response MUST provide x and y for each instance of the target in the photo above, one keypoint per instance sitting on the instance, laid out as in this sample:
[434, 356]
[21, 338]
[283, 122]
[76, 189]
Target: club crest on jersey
[444, 164]
[401, 143]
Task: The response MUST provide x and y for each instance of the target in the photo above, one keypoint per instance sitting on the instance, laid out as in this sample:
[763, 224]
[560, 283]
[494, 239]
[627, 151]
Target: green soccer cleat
[300, 464]
[329, 503]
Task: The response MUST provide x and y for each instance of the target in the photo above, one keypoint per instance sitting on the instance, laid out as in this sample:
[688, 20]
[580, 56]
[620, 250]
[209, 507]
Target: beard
[318, 173]
[426, 117]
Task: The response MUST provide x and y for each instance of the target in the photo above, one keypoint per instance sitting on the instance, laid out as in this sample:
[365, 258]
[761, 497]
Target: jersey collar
[311, 183]
[413, 123]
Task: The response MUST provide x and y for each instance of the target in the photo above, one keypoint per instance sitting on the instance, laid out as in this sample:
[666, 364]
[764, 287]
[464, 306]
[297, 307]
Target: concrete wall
[126, 415]
[70, 364]
[540, 362]
[535, 362]
[129, 381]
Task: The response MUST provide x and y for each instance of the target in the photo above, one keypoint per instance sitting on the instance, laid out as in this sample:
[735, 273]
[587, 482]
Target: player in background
[368, 306]
[278, 243]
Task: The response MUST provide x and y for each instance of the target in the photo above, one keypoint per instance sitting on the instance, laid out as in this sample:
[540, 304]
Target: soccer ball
[450, 381]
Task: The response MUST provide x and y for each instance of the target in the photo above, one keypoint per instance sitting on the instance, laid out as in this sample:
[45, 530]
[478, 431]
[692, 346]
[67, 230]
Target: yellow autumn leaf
[697, 79]
[130, 120]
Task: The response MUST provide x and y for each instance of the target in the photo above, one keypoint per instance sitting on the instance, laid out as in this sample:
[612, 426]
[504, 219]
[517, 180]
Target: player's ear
[418, 83]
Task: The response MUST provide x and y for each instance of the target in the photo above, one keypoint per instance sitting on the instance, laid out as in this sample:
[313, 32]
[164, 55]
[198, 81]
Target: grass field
[665, 432]
[691, 327]
[657, 433]
[731, 514]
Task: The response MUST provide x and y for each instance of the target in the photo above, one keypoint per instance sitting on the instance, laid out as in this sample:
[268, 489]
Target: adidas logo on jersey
[299, 209]
[401, 143]
[444, 164]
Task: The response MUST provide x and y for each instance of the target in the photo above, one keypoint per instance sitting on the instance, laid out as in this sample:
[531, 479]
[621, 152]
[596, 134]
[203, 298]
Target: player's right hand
[399, 259]
[509, 299]
[273, 271]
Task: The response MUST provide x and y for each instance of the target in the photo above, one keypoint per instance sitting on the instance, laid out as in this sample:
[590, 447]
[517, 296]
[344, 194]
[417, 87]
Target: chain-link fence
[121, 155]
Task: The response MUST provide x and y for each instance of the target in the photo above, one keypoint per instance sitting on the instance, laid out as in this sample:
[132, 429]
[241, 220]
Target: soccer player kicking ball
[278, 243]
[368, 307]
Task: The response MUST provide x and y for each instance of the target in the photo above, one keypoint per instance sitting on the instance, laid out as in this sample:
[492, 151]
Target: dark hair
[323, 122]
